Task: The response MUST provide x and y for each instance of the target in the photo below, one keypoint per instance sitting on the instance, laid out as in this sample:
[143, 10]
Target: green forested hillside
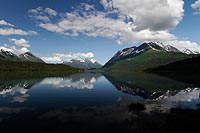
[35, 67]
[148, 59]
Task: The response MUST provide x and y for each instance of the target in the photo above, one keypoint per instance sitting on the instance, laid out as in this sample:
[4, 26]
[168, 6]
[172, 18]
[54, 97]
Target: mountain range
[147, 55]
[6, 55]
[26, 57]
[83, 64]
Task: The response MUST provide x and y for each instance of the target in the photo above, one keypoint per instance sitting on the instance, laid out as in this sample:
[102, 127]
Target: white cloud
[4, 23]
[42, 18]
[155, 15]
[196, 5]
[12, 31]
[19, 51]
[21, 46]
[59, 58]
[20, 42]
[7, 29]
[135, 20]
[50, 11]
[42, 14]
[107, 4]
[88, 7]
[185, 44]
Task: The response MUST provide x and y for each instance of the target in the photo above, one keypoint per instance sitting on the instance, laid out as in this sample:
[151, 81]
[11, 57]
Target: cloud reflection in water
[78, 81]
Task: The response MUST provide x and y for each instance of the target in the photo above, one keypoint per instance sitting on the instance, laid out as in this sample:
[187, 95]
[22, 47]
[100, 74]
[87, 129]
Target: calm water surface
[93, 102]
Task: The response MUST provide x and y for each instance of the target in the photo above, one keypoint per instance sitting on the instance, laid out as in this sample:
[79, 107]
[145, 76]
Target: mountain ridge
[83, 64]
[135, 51]
[29, 56]
[145, 56]
[6, 55]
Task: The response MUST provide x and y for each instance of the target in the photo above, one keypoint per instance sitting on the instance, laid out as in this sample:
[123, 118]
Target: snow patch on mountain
[188, 51]
[93, 61]
[6, 51]
[29, 56]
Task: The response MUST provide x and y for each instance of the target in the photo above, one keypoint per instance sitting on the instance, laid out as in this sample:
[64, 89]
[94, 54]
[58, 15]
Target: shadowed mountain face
[188, 66]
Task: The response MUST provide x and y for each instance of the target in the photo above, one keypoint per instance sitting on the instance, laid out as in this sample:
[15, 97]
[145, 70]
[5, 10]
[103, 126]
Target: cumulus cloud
[12, 31]
[185, 44]
[196, 5]
[21, 46]
[4, 23]
[20, 42]
[58, 57]
[129, 21]
[134, 20]
[18, 51]
[155, 15]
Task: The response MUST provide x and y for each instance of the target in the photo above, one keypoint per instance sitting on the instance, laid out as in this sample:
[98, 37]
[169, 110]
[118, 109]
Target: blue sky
[59, 30]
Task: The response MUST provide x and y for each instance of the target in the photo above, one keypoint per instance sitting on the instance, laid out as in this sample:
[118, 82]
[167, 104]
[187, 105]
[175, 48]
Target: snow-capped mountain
[83, 64]
[188, 51]
[166, 47]
[134, 51]
[7, 55]
[29, 56]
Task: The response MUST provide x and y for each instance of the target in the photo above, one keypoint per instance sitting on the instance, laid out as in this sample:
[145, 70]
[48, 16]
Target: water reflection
[157, 93]
[17, 89]
[17, 86]
[142, 88]
[128, 102]
[77, 81]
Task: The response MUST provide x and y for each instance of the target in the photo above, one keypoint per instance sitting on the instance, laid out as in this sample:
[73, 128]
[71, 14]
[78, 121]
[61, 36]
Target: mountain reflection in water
[126, 101]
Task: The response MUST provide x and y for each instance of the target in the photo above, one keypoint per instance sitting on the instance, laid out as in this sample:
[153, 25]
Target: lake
[99, 102]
